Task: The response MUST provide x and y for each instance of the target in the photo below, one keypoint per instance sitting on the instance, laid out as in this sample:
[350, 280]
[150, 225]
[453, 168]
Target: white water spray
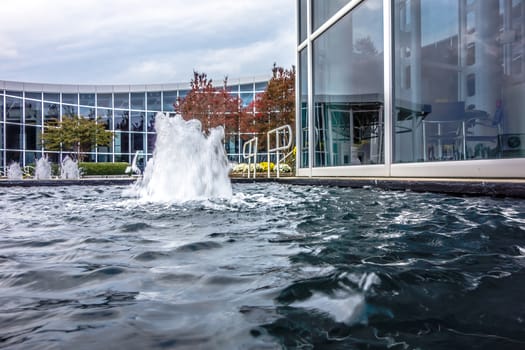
[186, 165]
[69, 169]
[14, 172]
[42, 169]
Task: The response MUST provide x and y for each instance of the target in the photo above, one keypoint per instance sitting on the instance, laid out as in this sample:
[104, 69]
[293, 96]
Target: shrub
[264, 166]
[103, 168]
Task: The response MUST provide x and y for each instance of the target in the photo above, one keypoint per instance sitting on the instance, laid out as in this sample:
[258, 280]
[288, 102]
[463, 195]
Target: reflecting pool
[275, 266]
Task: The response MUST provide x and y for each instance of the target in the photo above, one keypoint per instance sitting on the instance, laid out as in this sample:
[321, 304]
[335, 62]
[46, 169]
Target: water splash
[14, 172]
[42, 169]
[186, 165]
[69, 169]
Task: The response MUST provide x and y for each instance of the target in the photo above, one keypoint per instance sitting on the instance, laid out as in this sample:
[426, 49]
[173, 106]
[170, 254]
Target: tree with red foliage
[210, 105]
[276, 106]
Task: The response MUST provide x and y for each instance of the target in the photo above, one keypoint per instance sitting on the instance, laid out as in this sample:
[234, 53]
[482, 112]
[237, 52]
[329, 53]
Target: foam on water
[186, 164]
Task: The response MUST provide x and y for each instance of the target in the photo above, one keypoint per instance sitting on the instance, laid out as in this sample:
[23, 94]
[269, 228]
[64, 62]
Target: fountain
[186, 164]
[42, 169]
[14, 172]
[69, 169]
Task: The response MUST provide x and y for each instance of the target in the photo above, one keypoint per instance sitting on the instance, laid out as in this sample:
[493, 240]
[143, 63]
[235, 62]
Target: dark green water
[275, 267]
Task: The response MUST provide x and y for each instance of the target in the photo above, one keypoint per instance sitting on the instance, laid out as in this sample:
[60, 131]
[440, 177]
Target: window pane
[104, 116]
[323, 10]
[121, 120]
[122, 100]
[33, 112]
[51, 97]
[70, 99]
[87, 112]
[51, 111]
[13, 110]
[34, 95]
[69, 111]
[246, 87]
[87, 99]
[154, 101]
[348, 89]
[137, 141]
[247, 98]
[13, 137]
[169, 98]
[105, 100]
[303, 91]
[259, 87]
[302, 20]
[137, 121]
[32, 140]
[464, 100]
[138, 100]
[151, 121]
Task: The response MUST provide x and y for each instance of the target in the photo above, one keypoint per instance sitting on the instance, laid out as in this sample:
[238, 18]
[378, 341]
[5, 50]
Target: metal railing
[282, 133]
[249, 151]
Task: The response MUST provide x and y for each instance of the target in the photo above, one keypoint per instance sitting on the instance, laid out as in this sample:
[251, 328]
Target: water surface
[275, 267]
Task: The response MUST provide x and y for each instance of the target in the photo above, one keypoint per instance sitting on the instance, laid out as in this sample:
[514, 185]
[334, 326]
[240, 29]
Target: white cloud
[139, 41]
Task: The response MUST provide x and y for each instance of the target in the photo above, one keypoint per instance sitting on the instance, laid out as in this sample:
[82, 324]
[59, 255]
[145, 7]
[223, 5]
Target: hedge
[103, 168]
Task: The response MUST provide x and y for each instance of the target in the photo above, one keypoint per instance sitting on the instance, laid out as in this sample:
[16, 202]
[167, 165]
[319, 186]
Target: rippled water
[276, 267]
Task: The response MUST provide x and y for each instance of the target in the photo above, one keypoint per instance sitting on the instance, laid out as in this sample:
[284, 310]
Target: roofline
[108, 88]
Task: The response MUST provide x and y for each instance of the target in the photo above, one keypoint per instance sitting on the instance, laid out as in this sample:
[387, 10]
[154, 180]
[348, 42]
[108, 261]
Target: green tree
[75, 134]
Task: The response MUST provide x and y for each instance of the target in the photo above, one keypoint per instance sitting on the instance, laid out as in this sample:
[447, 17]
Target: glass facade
[412, 87]
[24, 113]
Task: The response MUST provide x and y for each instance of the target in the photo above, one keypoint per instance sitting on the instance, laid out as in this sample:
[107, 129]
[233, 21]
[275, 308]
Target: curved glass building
[402, 88]
[127, 110]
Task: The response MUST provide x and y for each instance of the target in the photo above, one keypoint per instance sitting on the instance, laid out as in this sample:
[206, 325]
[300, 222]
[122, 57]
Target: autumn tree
[276, 106]
[210, 105]
[75, 134]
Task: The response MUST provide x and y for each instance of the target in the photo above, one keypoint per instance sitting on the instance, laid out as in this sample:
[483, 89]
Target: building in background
[411, 88]
[127, 110]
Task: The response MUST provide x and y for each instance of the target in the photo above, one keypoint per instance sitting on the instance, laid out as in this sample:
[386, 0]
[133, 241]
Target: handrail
[251, 144]
[284, 131]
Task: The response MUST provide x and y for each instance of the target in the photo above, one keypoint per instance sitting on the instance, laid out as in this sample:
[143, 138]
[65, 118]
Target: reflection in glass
[464, 100]
[121, 120]
[169, 99]
[323, 10]
[154, 101]
[69, 111]
[87, 99]
[104, 116]
[303, 93]
[51, 111]
[70, 98]
[105, 100]
[13, 110]
[137, 121]
[137, 141]
[138, 100]
[122, 100]
[13, 137]
[348, 89]
[302, 20]
[247, 98]
[87, 112]
[32, 138]
[51, 97]
[34, 95]
[33, 112]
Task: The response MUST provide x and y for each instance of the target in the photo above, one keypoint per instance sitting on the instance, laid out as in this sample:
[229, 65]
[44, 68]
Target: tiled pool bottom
[278, 266]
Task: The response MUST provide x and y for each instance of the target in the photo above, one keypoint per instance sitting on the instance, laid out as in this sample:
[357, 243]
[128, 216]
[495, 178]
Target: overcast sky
[143, 41]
